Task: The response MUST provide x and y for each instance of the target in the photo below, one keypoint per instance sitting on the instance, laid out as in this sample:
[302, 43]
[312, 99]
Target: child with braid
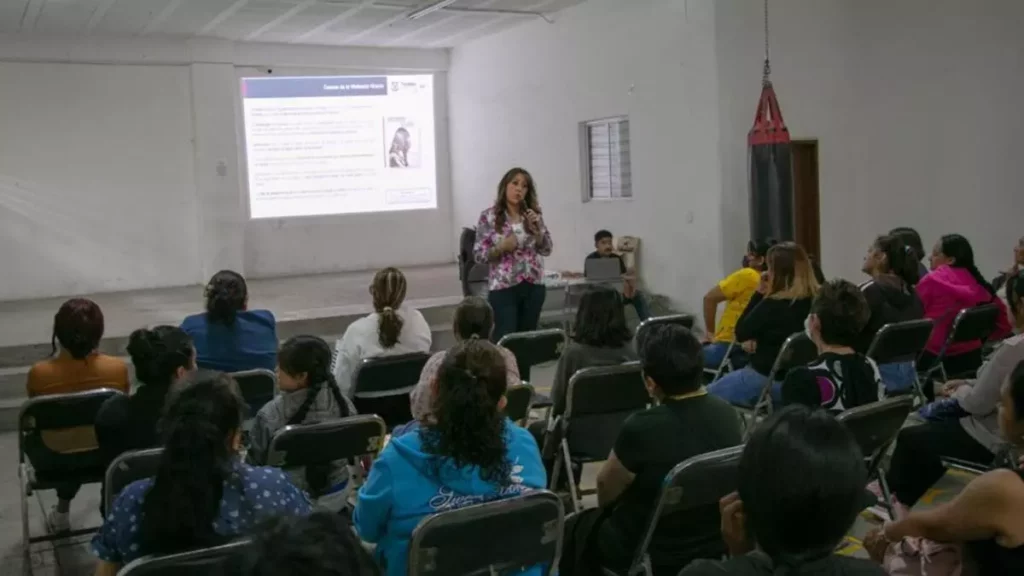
[309, 394]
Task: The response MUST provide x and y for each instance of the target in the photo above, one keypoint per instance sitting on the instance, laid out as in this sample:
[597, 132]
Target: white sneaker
[58, 522]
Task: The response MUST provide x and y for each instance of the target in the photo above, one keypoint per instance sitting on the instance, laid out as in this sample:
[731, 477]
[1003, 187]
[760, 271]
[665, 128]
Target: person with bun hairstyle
[472, 453]
[735, 290]
[954, 284]
[840, 378]
[912, 240]
[161, 356]
[800, 487]
[891, 298]
[512, 238]
[228, 336]
[203, 495]
[473, 319]
[391, 330]
[309, 395]
[77, 367]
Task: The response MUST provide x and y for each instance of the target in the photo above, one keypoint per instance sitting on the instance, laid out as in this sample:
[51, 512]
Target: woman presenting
[511, 237]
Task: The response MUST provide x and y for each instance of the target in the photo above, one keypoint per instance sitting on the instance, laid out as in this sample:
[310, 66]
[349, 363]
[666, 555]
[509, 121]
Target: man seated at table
[605, 249]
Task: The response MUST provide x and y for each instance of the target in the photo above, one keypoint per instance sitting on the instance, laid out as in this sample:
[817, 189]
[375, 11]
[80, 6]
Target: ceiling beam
[220, 18]
[280, 19]
[99, 13]
[31, 14]
[435, 24]
[344, 15]
[535, 7]
[155, 22]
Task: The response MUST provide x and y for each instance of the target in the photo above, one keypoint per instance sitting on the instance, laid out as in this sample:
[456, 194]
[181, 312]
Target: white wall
[915, 105]
[517, 97]
[120, 168]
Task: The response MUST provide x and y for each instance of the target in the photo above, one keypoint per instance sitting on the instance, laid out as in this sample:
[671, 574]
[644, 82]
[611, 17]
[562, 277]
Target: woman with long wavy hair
[471, 453]
[203, 494]
[513, 239]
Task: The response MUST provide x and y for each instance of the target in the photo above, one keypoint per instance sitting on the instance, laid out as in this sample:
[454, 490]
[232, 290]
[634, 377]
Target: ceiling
[331, 22]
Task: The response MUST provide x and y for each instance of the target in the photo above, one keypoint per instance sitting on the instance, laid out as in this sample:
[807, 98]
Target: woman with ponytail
[471, 454]
[161, 357]
[77, 366]
[953, 284]
[228, 336]
[309, 395]
[202, 495]
[391, 330]
[891, 298]
[800, 487]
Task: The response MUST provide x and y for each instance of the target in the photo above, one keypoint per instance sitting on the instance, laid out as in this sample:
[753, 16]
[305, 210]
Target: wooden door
[805, 196]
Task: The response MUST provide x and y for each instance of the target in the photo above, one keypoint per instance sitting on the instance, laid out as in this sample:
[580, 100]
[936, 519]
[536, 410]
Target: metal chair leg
[26, 544]
[886, 494]
[577, 506]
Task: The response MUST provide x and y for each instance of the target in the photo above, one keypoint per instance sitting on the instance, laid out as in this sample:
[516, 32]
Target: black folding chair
[724, 366]
[127, 468]
[518, 400]
[875, 426]
[797, 350]
[324, 443]
[686, 524]
[462, 541]
[205, 562]
[684, 320]
[257, 387]
[382, 386]
[476, 280]
[598, 402]
[533, 348]
[902, 342]
[42, 466]
[970, 325]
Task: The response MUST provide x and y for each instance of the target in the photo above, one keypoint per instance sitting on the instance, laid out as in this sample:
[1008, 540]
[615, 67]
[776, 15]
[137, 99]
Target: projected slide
[339, 144]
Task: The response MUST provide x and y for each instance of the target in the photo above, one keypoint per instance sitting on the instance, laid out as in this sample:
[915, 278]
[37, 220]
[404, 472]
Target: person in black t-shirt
[630, 480]
[801, 485]
[840, 378]
[604, 248]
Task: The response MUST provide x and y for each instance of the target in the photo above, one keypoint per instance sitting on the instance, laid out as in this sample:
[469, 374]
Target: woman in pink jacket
[954, 284]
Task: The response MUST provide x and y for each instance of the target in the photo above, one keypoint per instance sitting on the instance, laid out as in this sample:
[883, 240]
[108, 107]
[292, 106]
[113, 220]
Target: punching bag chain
[766, 80]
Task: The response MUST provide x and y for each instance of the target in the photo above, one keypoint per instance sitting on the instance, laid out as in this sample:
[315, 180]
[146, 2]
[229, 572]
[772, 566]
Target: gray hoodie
[981, 398]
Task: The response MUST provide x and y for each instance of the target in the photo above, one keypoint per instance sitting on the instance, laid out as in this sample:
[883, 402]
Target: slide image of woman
[402, 152]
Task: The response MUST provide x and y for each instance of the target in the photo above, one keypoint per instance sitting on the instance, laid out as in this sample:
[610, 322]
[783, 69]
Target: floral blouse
[524, 264]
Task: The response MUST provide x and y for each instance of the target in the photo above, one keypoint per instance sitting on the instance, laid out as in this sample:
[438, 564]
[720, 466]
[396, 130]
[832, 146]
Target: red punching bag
[771, 168]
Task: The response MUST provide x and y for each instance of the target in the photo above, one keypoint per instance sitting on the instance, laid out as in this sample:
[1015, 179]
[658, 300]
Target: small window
[605, 159]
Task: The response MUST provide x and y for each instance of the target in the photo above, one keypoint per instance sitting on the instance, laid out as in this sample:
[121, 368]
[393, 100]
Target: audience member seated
[309, 395]
[471, 454]
[202, 495]
[161, 357]
[986, 515]
[735, 290]
[1018, 263]
[1015, 297]
[473, 318]
[775, 312]
[963, 424]
[605, 248]
[228, 336]
[801, 485]
[891, 298]
[840, 378]
[912, 240]
[322, 544]
[687, 422]
[953, 284]
[79, 367]
[599, 337]
[391, 329]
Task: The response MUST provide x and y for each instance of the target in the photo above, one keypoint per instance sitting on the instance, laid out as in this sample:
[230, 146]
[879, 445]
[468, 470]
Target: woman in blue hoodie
[471, 454]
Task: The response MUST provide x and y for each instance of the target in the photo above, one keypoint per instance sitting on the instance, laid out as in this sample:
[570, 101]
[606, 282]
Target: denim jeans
[743, 387]
[639, 302]
[897, 377]
[517, 308]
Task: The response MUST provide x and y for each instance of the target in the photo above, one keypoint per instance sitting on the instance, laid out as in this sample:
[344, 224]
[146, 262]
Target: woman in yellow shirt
[735, 290]
[78, 327]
